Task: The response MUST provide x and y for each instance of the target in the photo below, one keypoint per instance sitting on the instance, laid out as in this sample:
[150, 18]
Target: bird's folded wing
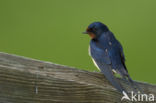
[107, 71]
[99, 54]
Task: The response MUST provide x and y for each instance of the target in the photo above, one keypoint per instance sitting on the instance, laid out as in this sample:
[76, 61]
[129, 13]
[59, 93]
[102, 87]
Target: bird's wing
[106, 69]
[100, 54]
[121, 53]
[103, 62]
[119, 59]
[124, 72]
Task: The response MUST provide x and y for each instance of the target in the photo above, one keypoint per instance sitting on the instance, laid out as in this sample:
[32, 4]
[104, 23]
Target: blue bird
[107, 54]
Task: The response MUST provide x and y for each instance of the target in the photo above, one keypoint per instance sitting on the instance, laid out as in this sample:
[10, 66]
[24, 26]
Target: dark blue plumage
[107, 54]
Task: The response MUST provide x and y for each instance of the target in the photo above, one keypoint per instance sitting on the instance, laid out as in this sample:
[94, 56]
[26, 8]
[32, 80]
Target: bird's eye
[91, 29]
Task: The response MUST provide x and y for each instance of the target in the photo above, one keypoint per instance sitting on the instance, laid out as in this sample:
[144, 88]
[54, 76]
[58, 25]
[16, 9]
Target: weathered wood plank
[25, 80]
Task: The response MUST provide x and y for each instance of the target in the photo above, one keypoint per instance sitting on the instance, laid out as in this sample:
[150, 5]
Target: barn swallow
[107, 54]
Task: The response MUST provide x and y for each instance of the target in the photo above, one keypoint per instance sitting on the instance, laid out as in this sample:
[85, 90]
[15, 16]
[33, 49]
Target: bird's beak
[85, 32]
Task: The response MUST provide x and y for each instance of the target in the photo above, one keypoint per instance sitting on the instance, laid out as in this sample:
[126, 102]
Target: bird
[107, 55]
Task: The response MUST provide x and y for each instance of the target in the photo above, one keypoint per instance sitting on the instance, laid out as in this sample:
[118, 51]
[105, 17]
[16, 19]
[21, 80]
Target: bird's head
[96, 29]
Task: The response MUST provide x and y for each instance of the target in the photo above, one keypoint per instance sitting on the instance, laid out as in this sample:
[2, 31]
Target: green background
[50, 30]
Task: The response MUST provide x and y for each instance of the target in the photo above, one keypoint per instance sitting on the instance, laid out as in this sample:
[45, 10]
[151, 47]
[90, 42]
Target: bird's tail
[134, 85]
[106, 70]
[124, 74]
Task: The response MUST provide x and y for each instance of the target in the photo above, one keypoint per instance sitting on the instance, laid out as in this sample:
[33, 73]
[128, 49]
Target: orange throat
[92, 36]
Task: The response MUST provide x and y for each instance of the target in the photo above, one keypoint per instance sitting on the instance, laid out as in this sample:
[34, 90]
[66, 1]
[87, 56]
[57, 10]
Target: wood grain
[25, 80]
